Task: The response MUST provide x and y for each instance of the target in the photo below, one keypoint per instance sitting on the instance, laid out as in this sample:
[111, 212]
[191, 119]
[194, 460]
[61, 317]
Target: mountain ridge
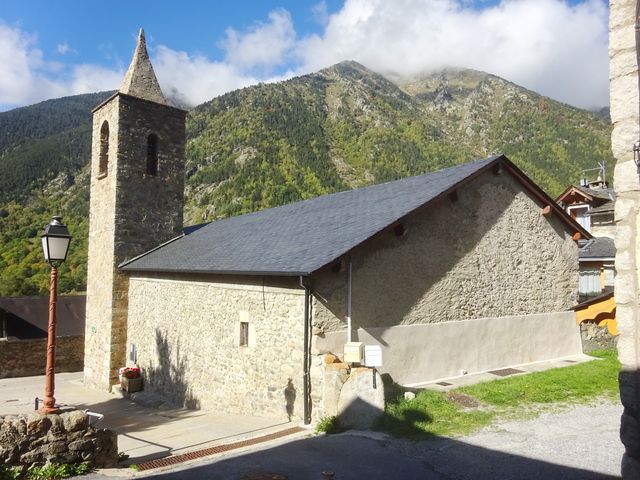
[265, 145]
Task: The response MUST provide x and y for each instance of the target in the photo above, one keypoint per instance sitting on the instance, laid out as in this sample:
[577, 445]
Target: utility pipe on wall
[306, 400]
[349, 300]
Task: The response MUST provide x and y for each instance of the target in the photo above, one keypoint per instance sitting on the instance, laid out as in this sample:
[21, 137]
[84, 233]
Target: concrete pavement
[143, 433]
[577, 443]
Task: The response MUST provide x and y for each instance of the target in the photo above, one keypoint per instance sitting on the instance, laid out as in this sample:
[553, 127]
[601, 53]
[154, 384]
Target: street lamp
[55, 245]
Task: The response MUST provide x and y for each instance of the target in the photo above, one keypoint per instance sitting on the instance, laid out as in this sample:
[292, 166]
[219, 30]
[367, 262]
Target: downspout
[349, 300]
[306, 398]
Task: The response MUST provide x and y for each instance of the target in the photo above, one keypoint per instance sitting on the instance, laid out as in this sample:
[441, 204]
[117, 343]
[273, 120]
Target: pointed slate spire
[140, 80]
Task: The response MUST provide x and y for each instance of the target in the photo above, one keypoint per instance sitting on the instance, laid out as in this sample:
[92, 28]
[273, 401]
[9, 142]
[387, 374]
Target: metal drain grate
[505, 372]
[264, 476]
[444, 384]
[172, 460]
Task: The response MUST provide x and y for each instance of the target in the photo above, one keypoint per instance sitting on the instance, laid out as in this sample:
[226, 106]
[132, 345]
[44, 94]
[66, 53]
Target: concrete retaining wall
[419, 353]
[25, 358]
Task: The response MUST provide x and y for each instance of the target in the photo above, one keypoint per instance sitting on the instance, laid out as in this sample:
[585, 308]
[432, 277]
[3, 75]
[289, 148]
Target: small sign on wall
[373, 355]
[353, 352]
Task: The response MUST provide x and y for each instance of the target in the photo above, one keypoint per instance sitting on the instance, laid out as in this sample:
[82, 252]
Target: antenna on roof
[601, 181]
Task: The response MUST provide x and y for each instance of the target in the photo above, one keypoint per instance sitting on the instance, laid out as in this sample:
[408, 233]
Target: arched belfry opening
[104, 149]
[152, 154]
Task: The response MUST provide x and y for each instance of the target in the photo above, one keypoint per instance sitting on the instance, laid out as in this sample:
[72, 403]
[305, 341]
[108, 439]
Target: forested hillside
[266, 145]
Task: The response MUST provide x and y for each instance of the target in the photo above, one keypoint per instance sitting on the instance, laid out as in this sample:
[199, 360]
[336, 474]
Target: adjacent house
[23, 334]
[467, 269]
[597, 267]
[592, 205]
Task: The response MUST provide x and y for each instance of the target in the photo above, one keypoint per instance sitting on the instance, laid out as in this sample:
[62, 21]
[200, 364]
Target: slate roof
[608, 207]
[598, 247]
[34, 311]
[597, 195]
[302, 237]
[607, 194]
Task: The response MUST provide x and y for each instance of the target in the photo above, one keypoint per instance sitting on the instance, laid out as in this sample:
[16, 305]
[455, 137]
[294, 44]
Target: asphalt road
[578, 443]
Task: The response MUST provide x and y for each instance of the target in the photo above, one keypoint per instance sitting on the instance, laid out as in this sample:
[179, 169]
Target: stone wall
[100, 266]
[186, 330]
[625, 101]
[25, 358]
[64, 438]
[131, 213]
[488, 253]
[595, 337]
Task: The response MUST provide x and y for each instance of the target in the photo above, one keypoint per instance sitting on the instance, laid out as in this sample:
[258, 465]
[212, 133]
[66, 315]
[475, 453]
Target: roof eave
[256, 273]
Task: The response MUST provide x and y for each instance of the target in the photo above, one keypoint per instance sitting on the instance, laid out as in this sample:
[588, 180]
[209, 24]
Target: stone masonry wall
[490, 253]
[625, 101]
[100, 265]
[25, 358]
[186, 330]
[67, 437]
[131, 213]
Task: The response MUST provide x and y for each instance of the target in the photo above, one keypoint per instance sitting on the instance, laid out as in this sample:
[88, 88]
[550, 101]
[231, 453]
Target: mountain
[269, 144]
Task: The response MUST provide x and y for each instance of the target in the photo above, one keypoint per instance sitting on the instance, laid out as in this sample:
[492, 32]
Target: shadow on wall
[290, 398]
[167, 380]
[394, 272]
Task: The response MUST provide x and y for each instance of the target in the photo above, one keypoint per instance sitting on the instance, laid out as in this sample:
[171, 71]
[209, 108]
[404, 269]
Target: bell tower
[137, 198]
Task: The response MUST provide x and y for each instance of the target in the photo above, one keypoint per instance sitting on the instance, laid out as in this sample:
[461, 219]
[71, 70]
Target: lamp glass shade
[55, 241]
[55, 248]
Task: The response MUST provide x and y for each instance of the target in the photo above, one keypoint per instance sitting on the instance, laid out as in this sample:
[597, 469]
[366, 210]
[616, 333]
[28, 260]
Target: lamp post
[55, 245]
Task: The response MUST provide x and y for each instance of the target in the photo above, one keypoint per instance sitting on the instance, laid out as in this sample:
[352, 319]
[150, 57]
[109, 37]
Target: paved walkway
[580, 443]
[143, 433]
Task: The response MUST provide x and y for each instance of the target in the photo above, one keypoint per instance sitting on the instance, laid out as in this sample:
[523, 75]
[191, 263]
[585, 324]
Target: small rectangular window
[244, 334]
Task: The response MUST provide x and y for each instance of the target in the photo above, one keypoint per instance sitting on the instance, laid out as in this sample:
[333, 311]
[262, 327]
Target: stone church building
[468, 269]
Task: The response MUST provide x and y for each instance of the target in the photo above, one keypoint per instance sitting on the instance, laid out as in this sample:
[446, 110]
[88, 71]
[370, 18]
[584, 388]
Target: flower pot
[131, 385]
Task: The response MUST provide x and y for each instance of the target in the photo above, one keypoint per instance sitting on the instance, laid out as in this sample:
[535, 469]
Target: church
[464, 270]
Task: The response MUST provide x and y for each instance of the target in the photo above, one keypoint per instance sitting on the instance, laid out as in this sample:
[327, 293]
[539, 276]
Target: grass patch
[436, 413]
[328, 425]
[44, 472]
[558, 385]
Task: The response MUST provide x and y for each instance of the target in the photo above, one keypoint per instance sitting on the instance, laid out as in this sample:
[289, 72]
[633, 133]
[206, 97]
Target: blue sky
[202, 49]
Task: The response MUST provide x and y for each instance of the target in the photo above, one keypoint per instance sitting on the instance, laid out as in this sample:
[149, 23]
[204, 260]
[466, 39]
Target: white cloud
[195, 78]
[320, 13]
[64, 48]
[265, 45]
[546, 45]
[86, 78]
[27, 77]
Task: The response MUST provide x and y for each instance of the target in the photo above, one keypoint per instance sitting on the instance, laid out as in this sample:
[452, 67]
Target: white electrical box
[353, 352]
[373, 356]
